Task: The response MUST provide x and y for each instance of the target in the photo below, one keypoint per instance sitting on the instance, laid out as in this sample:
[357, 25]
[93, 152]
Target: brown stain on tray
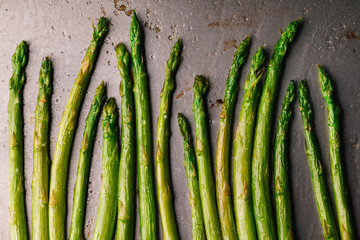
[122, 8]
[249, 17]
[229, 43]
[216, 104]
[180, 94]
[90, 223]
[350, 34]
[128, 13]
[229, 23]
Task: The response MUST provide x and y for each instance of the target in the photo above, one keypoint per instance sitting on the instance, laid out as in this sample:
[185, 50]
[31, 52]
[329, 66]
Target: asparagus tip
[178, 43]
[122, 54]
[45, 75]
[302, 88]
[180, 118]
[102, 28]
[290, 92]
[175, 56]
[100, 92]
[134, 29]
[247, 39]
[183, 125]
[110, 106]
[119, 46]
[201, 84]
[120, 49]
[46, 64]
[260, 56]
[101, 86]
[21, 55]
[134, 18]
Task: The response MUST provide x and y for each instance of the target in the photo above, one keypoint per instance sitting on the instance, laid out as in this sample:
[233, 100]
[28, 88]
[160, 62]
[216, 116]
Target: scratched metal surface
[330, 35]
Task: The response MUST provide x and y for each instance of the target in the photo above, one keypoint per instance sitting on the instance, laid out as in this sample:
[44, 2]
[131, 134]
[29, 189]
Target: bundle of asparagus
[215, 215]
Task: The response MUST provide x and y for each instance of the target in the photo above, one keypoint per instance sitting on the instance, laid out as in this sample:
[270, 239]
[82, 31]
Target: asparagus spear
[126, 185]
[316, 171]
[59, 168]
[223, 193]
[262, 138]
[206, 181]
[145, 176]
[106, 216]
[82, 176]
[192, 180]
[162, 158]
[281, 179]
[243, 141]
[41, 159]
[17, 212]
[346, 227]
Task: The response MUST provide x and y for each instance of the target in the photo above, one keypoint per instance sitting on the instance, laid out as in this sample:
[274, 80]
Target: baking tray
[210, 30]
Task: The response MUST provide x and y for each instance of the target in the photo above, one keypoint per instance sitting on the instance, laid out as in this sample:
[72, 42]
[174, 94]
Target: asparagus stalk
[198, 230]
[126, 185]
[59, 168]
[206, 181]
[82, 176]
[106, 216]
[243, 141]
[281, 179]
[143, 144]
[316, 170]
[346, 227]
[17, 212]
[262, 138]
[223, 192]
[41, 159]
[162, 158]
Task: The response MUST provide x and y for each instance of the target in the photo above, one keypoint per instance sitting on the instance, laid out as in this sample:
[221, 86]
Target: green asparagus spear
[346, 227]
[162, 158]
[106, 216]
[126, 186]
[17, 212]
[262, 138]
[281, 179]
[206, 180]
[82, 176]
[243, 141]
[223, 192]
[141, 96]
[198, 230]
[316, 170]
[59, 168]
[41, 159]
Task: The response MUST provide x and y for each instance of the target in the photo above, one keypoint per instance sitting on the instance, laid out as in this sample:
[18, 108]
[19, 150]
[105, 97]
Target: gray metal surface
[330, 35]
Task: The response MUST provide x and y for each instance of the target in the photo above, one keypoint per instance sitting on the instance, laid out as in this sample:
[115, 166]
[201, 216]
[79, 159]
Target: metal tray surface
[210, 30]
